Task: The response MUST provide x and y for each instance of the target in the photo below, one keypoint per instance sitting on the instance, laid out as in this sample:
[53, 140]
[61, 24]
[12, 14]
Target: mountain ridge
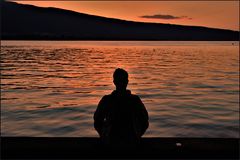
[117, 19]
[49, 23]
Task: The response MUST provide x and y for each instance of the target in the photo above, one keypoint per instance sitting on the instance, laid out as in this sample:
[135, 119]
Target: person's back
[121, 117]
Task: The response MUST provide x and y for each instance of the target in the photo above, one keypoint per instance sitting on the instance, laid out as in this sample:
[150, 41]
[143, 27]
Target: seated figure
[121, 117]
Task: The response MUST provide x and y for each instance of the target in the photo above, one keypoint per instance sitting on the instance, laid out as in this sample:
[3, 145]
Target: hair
[120, 74]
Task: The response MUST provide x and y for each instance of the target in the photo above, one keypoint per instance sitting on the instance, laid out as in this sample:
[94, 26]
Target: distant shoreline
[38, 23]
[111, 40]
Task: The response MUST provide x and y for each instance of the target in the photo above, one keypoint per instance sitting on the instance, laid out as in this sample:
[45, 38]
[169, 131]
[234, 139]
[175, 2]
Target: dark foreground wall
[91, 148]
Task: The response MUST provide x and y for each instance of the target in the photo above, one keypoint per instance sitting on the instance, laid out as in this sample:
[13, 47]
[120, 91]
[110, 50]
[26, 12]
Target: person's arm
[143, 116]
[99, 116]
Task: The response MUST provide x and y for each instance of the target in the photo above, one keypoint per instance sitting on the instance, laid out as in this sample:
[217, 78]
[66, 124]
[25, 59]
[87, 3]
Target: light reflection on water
[190, 89]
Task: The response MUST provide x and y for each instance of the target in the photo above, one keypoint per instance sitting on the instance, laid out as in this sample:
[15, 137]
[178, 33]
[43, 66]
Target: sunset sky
[216, 14]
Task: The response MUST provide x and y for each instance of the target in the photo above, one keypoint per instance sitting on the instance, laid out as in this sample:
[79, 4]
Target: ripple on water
[189, 91]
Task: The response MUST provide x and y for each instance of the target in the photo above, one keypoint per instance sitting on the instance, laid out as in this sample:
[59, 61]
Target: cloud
[165, 16]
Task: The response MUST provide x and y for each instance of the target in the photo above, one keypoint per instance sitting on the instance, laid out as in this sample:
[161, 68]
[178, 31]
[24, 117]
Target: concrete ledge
[91, 148]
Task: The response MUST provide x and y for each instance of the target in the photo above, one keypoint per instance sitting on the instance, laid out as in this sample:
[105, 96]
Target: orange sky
[217, 14]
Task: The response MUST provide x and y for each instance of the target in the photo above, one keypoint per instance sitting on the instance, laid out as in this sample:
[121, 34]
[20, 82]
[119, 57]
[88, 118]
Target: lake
[52, 88]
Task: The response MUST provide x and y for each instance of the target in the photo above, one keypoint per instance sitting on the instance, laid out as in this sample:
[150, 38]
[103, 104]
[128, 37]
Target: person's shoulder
[105, 97]
[135, 97]
[105, 100]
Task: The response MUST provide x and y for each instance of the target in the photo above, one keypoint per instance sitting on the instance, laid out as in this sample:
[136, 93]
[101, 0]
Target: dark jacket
[121, 117]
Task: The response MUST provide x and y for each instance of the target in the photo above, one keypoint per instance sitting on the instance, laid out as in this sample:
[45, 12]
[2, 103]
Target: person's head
[120, 79]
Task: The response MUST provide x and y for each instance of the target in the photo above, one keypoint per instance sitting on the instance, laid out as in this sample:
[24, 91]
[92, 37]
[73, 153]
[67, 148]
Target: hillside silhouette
[27, 22]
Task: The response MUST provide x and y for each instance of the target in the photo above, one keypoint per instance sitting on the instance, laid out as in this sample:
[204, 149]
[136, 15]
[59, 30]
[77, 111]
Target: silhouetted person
[121, 117]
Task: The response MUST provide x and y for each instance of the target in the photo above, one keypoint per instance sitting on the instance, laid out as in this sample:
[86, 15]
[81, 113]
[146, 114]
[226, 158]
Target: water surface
[52, 88]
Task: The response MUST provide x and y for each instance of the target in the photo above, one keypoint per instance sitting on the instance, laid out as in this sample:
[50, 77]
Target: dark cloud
[164, 16]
